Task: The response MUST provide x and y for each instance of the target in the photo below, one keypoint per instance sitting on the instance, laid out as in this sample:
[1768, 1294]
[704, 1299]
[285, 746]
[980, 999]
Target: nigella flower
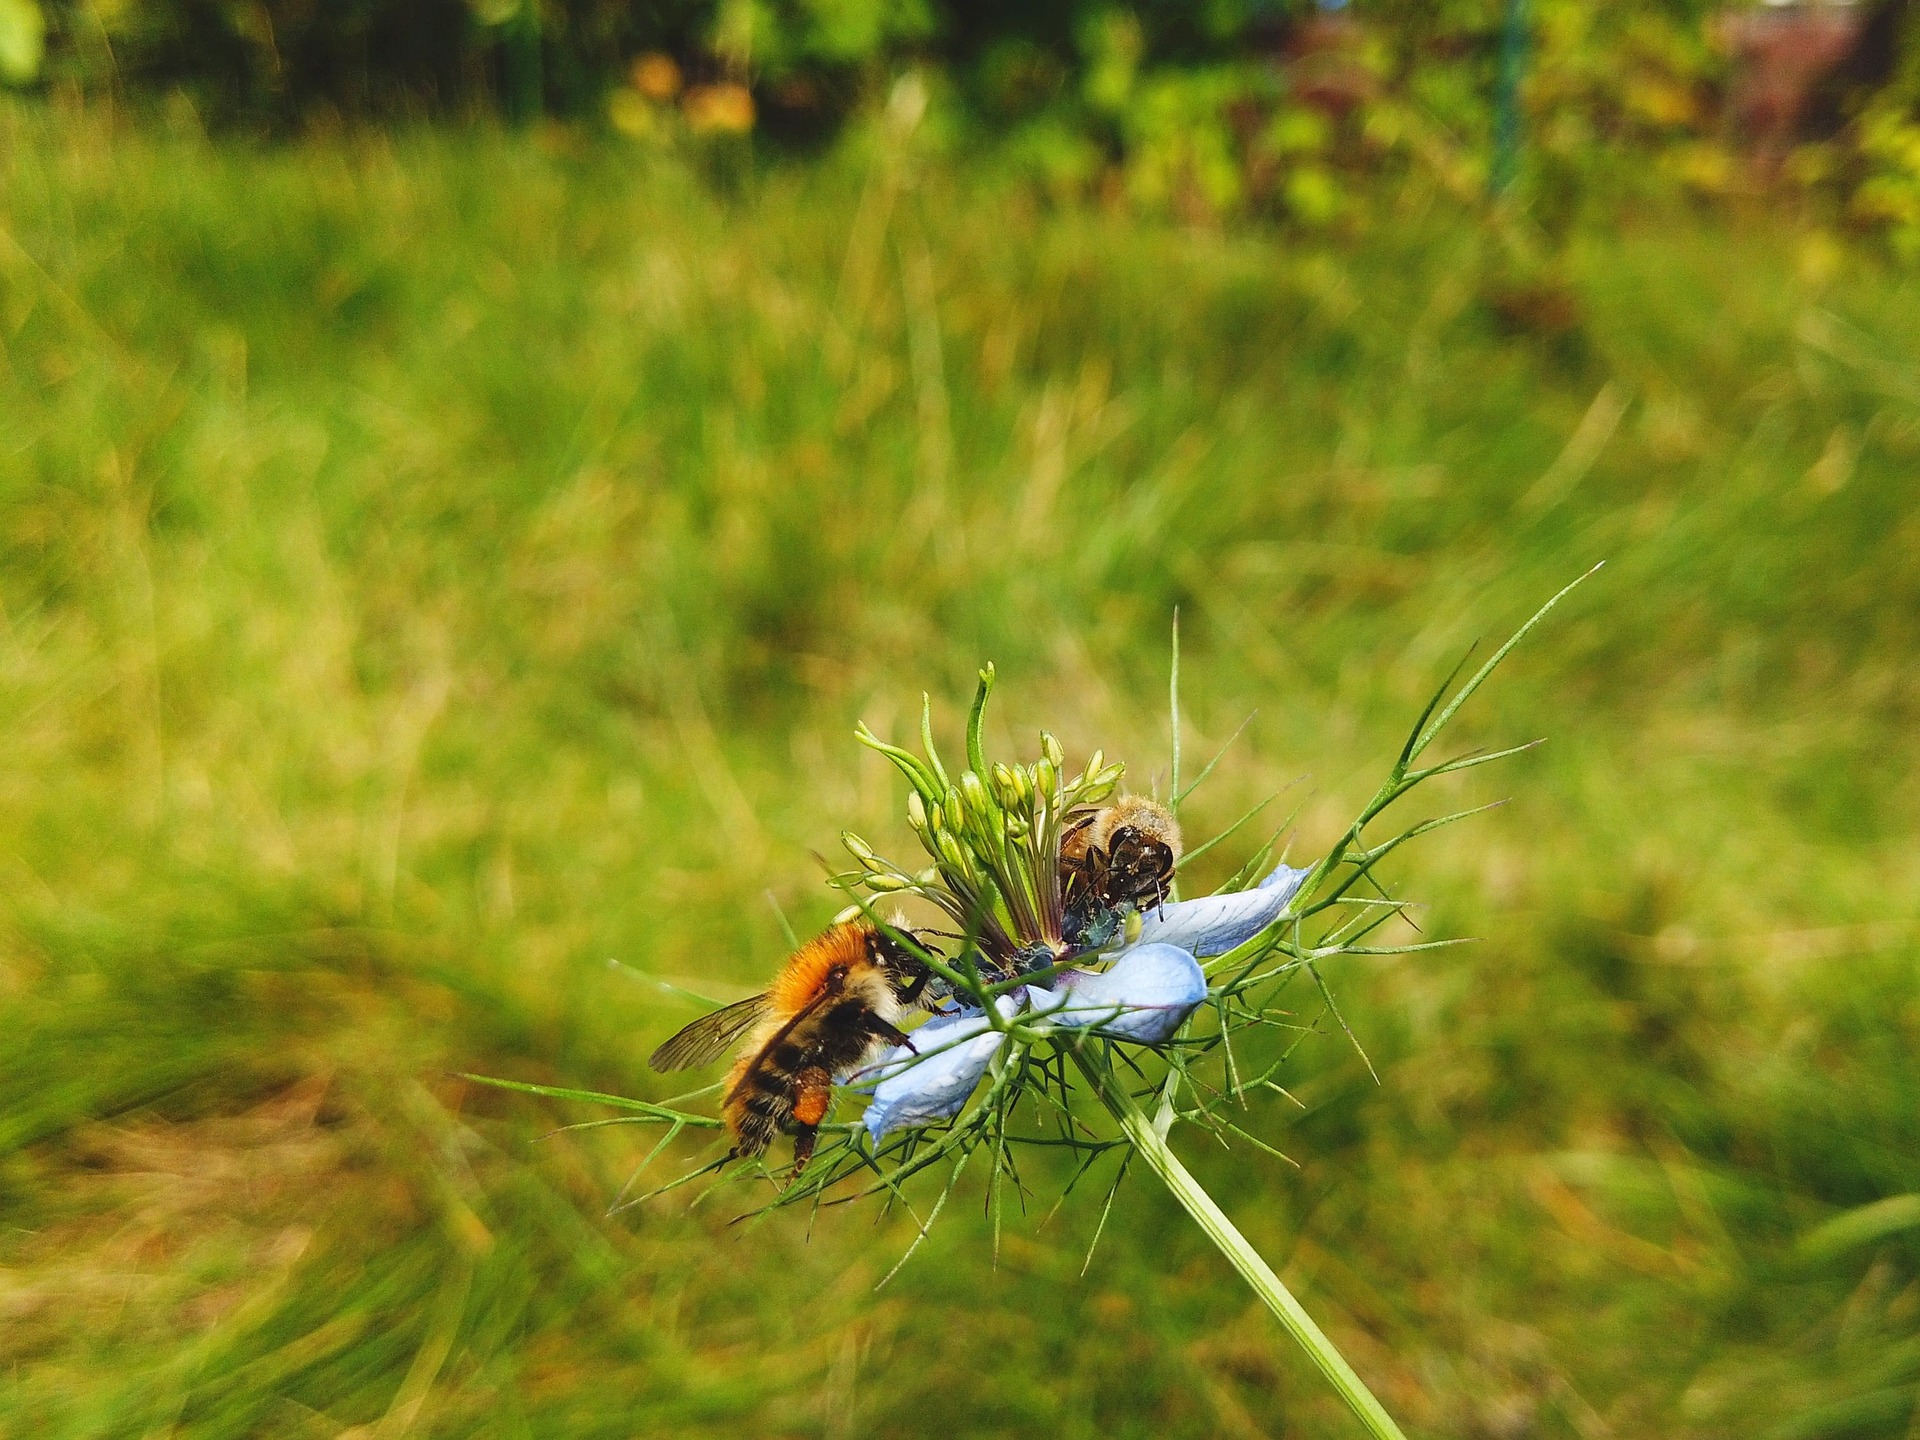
[1042, 870]
[931, 1080]
[1145, 996]
[1216, 924]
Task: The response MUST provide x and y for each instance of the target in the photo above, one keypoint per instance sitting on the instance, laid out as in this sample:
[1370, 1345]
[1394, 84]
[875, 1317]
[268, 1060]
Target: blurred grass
[434, 565]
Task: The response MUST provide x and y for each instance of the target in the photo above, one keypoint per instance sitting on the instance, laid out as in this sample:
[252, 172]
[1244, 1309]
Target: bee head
[1147, 819]
[893, 954]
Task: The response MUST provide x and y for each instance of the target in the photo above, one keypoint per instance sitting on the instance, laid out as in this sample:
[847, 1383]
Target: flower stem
[1153, 1148]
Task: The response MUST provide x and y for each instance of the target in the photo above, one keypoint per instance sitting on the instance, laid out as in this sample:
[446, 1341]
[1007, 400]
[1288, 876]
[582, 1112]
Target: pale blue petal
[1146, 995]
[932, 1080]
[1216, 924]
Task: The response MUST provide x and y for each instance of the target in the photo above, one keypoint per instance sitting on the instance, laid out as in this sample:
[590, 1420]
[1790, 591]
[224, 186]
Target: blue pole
[1507, 121]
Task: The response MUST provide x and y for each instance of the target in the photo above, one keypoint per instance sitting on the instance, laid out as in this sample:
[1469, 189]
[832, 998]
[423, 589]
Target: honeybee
[1115, 860]
[835, 1001]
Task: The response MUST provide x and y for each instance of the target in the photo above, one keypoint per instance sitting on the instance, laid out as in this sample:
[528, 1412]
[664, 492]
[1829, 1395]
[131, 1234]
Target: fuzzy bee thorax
[1136, 812]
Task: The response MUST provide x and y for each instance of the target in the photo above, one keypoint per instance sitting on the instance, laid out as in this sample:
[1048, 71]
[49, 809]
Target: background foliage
[433, 565]
[1224, 107]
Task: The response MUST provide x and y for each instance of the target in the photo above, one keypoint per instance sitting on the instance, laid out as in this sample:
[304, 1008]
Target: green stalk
[1153, 1148]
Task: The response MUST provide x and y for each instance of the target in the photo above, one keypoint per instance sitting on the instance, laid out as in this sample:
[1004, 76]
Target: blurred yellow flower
[726, 108]
[656, 76]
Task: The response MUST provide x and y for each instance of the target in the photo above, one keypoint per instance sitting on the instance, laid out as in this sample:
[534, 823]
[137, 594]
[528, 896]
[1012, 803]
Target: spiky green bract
[993, 835]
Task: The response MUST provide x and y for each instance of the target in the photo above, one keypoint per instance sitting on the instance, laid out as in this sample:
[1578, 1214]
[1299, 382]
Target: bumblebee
[1114, 861]
[837, 999]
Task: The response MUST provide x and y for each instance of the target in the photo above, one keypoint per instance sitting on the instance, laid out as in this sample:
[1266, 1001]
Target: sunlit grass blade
[1173, 705]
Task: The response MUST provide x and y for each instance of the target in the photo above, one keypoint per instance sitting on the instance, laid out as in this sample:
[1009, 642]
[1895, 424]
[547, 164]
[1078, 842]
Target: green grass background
[436, 565]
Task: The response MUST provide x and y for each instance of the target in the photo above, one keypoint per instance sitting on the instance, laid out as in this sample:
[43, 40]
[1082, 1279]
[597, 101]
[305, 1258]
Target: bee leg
[914, 990]
[890, 1033]
[815, 1089]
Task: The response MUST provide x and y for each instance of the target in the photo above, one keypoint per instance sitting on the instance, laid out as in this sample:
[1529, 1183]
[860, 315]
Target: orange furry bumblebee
[833, 1004]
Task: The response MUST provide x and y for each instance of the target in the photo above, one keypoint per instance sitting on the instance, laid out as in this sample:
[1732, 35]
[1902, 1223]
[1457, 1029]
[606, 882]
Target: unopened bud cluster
[992, 832]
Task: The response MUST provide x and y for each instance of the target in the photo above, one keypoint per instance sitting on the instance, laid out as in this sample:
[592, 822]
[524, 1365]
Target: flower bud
[1093, 765]
[1050, 748]
[858, 848]
[953, 856]
[1006, 786]
[975, 796]
[956, 812]
[916, 811]
[1045, 777]
[887, 884]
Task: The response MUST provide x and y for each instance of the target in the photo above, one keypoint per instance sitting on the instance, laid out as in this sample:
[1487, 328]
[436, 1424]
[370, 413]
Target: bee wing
[709, 1037]
[774, 1041]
